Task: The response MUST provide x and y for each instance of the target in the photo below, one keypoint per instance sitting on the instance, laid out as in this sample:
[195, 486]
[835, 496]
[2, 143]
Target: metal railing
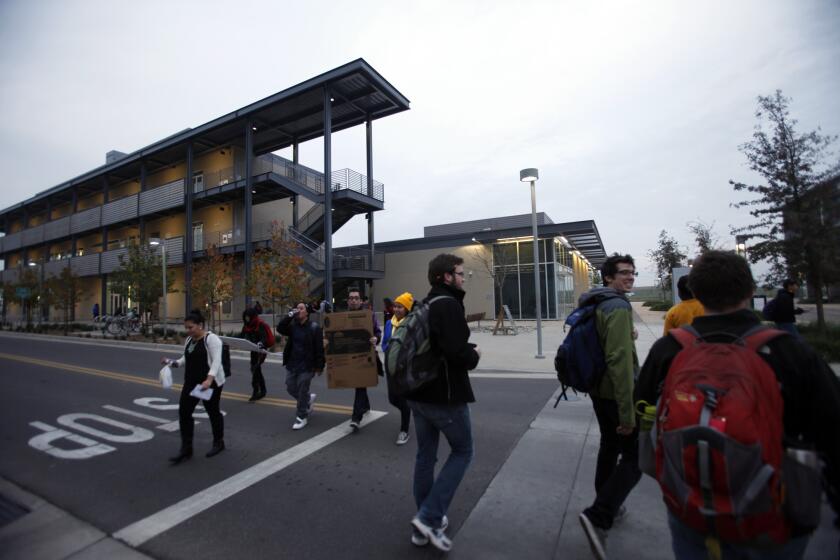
[311, 217]
[308, 246]
[272, 163]
[347, 179]
[354, 258]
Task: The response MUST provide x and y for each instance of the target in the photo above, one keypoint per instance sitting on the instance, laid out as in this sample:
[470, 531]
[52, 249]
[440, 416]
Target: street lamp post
[741, 245]
[531, 175]
[156, 242]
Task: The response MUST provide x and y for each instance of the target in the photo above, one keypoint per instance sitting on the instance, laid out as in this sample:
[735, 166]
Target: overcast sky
[632, 111]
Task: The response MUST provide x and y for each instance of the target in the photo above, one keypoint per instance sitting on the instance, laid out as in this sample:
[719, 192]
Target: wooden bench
[475, 318]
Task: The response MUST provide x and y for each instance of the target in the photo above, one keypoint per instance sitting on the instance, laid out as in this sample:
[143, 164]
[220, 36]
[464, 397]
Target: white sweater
[213, 344]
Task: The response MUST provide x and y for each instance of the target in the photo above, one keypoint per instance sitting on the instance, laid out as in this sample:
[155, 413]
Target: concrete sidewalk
[531, 507]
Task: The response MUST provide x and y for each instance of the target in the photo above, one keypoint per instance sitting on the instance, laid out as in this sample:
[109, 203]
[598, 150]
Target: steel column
[369, 155]
[188, 237]
[295, 199]
[249, 203]
[328, 256]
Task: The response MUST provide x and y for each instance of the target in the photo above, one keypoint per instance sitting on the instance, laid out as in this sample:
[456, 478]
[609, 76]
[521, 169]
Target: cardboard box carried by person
[351, 358]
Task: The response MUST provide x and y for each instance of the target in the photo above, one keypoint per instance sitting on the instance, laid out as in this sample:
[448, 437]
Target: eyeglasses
[461, 274]
[627, 272]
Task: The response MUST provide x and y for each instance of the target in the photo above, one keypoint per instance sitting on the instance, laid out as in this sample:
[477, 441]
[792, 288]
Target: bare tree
[704, 236]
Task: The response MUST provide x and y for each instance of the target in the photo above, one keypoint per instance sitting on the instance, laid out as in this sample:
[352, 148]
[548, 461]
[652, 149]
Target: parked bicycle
[120, 325]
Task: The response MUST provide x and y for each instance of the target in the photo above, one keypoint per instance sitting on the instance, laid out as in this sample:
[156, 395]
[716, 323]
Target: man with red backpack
[257, 331]
[744, 413]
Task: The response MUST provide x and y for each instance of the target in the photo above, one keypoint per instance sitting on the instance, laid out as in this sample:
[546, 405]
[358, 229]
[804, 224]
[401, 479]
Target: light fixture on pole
[531, 175]
[741, 245]
[154, 242]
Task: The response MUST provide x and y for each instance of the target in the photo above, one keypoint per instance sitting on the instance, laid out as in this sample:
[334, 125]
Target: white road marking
[160, 522]
[514, 375]
[135, 434]
[164, 424]
[43, 442]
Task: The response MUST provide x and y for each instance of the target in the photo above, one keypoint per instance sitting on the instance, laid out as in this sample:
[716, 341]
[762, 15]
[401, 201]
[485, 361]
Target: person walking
[803, 392]
[686, 310]
[257, 331]
[361, 402]
[401, 306]
[202, 359]
[785, 311]
[387, 310]
[303, 358]
[617, 470]
[442, 405]
[95, 311]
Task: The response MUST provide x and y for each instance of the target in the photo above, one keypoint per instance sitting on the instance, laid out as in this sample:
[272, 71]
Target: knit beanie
[406, 300]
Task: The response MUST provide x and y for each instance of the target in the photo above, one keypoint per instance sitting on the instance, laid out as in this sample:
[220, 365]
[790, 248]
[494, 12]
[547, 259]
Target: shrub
[826, 344]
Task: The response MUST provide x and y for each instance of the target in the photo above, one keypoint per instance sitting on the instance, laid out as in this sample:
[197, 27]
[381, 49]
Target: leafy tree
[790, 230]
[704, 236]
[665, 257]
[66, 289]
[8, 291]
[213, 281]
[140, 278]
[277, 276]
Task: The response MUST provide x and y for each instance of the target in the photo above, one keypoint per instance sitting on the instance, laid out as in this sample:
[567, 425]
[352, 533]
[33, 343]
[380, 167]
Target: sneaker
[354, 425]
[597, 537]
[436, 536]
[300, 423]
[403, 438]
[620, 515]
[418, 539]
[311, 402]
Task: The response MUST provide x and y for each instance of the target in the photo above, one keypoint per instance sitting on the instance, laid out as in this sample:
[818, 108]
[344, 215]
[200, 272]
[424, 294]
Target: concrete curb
[47, 532]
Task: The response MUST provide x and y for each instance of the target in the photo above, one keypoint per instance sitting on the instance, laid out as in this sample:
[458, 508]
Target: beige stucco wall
[171, 226]
[407, 271]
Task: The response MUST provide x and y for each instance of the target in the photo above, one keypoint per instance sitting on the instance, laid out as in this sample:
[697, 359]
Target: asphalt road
[339, 495]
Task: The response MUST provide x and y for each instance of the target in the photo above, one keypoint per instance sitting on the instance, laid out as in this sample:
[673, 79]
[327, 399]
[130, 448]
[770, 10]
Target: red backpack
[270, 341]
[719, 439]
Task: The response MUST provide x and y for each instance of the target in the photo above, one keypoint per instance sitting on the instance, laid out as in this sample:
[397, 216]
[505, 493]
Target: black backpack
[769, 311]
[225, 355]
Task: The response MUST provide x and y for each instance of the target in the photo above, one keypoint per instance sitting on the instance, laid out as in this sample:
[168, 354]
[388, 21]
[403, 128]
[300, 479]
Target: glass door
[198, 236]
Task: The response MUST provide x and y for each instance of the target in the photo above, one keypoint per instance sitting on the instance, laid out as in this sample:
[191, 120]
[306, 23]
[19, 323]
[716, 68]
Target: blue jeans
[433, 495]
[688, 544]
[789, 327]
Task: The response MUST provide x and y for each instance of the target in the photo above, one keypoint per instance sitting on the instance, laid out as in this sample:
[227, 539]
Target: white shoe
[311, 402]
[403, 438]
[418, 539]
[300, 423]
[437, 536]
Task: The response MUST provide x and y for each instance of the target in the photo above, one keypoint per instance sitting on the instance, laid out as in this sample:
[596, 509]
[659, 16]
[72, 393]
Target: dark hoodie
[450, 337]
[785, 311]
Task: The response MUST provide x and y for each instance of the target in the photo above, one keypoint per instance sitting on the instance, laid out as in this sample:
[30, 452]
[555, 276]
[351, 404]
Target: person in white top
[203, 359]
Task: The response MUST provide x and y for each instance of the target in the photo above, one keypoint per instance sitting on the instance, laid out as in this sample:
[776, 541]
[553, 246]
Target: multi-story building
[219, 184]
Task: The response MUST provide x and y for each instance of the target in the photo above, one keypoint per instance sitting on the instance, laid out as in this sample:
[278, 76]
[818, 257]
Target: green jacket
[614, 317]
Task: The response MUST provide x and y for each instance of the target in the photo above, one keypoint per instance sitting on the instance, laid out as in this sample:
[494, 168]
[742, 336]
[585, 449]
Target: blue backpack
[580, 361]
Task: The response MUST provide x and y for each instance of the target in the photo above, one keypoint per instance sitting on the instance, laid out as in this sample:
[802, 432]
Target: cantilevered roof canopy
[293, 115]
[582, 235]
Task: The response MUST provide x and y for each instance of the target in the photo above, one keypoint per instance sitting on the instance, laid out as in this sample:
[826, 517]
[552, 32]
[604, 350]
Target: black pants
[617, 470]
[402, 405]
[361, 403]
[257, 379]
[187, 405]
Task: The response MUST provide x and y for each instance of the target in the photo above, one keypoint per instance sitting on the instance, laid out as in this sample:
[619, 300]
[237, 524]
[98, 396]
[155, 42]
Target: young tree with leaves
[666, 257]
[140, 277]
[277, 276]
[704, 236]
[790, 230]
[213, 281]
[66, 290]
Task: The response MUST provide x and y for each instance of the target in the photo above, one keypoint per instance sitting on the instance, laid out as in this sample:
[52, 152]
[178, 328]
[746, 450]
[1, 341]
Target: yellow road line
[335, 408]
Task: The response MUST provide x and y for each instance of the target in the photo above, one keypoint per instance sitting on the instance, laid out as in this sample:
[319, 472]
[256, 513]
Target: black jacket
[314, 349]
[450, 338]
[786, 311]
[810, 390]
